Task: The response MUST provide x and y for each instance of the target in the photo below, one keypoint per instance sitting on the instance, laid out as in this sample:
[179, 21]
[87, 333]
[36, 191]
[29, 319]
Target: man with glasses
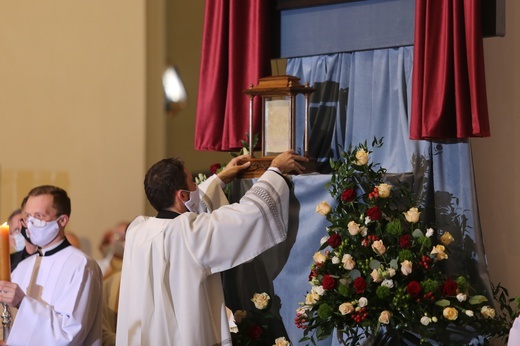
[58, 291]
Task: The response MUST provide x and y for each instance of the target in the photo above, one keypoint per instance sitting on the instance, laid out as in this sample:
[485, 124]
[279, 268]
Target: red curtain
[449, 85]
[240, 37]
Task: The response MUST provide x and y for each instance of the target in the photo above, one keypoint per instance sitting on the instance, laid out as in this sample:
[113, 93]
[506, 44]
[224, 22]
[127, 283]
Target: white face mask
[19, 241]
[42, 232]
[194, 204]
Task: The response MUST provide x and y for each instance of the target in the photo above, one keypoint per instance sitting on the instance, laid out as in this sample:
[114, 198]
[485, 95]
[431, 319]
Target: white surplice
[62, 305]
[171, 290]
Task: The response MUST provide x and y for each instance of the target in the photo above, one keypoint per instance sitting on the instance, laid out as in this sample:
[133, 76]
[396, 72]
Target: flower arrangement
[251, 328]
[378, 269]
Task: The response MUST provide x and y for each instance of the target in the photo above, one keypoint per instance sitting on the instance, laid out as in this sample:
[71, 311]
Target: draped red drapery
[240, 37]
[449, 85]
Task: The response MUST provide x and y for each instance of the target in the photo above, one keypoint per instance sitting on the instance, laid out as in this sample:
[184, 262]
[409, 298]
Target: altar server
[58, 291]
[171, 290]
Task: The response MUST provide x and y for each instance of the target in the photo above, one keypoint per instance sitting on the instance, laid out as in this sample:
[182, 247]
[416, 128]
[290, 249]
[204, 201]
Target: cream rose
[312, 298]
[406, 267]
[379, 247]
[362, 302]
[346, 308]
[450, 313]
[323, 208]
[439, 251]
[348, 262]
[319, 257]
[469, 313]
[412, 215]
[353, 228]
[376, 275]
[361, 157]
[383, 190]
[446, 238]
[363, 231]
[281, 341]
[334, 260]
[385, 317]
[261, 300]
[487, 312]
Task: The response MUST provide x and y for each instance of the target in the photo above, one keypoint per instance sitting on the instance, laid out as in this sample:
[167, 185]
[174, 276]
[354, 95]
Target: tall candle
[5, 253]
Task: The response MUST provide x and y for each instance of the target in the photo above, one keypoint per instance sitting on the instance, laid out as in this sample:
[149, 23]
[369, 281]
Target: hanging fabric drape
[449, 87]
[239, 39]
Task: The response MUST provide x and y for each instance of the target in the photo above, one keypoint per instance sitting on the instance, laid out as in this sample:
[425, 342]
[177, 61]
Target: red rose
[374, 213]
[359, 285]
[255, 332]
[413, 288]
[348, 195]
[215, 167]
[334, 240]
[449, 288]
[405, 242]
[328, 282]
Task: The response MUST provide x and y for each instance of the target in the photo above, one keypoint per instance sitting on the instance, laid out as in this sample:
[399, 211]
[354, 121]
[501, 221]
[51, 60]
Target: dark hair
[61, 201]
[162, 180]
[13, 214]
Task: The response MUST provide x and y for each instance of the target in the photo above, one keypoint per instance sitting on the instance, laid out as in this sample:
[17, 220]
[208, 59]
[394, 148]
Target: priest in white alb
[171, 290]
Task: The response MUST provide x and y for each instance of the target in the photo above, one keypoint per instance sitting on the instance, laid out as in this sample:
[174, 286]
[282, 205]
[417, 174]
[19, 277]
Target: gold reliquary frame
[278, 133]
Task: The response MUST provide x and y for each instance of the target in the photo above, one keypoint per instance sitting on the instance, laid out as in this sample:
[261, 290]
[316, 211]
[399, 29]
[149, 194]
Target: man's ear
[179, 195]
[64, 220]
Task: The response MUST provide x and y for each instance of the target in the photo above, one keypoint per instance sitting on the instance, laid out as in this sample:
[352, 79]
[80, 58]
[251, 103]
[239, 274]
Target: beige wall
[72, 107]
[497, 159]
[184, 36]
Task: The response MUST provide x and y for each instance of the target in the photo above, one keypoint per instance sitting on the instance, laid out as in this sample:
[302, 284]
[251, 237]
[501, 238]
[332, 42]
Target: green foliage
[382, 266]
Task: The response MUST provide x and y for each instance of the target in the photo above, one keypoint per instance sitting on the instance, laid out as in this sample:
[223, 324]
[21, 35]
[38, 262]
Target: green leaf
[417, 233]
[443, 302]
[475, 300]
[375, 264]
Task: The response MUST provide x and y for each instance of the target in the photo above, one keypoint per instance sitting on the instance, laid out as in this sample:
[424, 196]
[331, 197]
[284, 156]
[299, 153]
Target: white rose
[324, 239]
[363, 231]
[348, 262]
[469, 313]
[362, 302]
[388, 283]
[335, 260]
[318, 289]
[461, 297]
[261, 300]
[429, 232]
[425, 320]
